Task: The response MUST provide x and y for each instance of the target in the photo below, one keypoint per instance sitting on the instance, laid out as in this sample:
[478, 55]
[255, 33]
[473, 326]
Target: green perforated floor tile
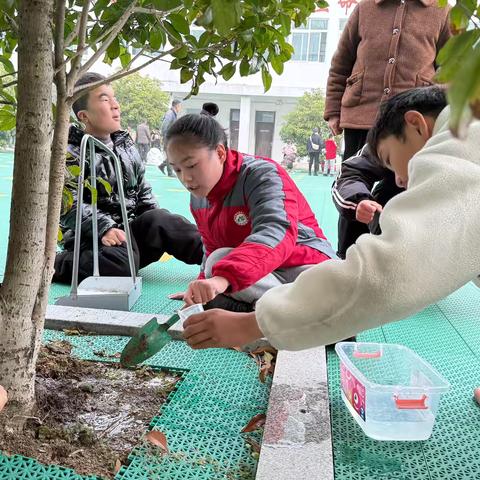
[443, 335]
[202, 418]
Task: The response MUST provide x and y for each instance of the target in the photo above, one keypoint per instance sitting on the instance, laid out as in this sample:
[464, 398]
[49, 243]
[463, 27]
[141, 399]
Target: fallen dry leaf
[118, 466]
[254, 444]
[266, 366]
[263, 350]
[3, 398]
[157, 438]
[255, 423]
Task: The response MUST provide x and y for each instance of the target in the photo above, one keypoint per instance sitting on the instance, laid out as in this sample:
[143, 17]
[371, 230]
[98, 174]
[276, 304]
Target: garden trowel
[150, 339]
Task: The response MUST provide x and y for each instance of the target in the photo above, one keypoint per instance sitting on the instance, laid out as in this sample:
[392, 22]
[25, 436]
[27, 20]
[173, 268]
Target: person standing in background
[168, 119]
[314, 148]
[143, 139]
[387, 47]
[330, 156]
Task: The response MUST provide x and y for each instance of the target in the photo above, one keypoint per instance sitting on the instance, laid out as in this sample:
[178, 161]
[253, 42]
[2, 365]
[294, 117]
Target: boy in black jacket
[154, 230]
[360, 192]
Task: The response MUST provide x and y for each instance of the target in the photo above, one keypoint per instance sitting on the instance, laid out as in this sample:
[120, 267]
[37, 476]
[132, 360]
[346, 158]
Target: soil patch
[89, 415]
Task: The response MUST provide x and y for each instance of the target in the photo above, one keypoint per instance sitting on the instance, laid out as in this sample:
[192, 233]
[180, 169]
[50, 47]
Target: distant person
[168, 119]
[289, 155]
[133, 134]
[155, 139]
[314, 148]
[210, 108]
[154, 230]
[330, 156]
[143, 139]
[386, 47]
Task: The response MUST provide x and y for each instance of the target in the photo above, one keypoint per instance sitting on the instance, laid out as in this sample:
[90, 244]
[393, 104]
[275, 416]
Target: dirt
[89, 415]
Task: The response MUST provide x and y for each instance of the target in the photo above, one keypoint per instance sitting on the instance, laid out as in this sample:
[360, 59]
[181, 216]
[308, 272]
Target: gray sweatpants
[253, 293]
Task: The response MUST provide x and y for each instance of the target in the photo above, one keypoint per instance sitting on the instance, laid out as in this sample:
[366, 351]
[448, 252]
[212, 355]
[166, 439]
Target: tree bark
[21, 336]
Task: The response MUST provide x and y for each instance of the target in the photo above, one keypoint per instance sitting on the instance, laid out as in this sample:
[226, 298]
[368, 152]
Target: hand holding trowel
[152, 337]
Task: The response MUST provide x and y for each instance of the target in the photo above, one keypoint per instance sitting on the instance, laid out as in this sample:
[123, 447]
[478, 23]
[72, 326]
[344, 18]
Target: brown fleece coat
[387, 46]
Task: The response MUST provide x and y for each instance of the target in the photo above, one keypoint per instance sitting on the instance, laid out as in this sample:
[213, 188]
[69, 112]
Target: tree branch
[59, 45]
[116, 30]
[122, 73]
[154, 11]
[10, 84]
[71, 36]
[8, 74]
[12, 23]
[75, 70]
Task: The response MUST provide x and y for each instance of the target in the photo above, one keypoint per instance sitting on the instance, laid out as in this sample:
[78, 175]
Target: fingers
[200, 291]
[176, 296]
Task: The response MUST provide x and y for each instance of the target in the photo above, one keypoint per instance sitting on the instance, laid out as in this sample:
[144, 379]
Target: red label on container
[353, 390]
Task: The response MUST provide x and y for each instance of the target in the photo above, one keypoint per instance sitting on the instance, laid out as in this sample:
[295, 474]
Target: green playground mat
[219, 391]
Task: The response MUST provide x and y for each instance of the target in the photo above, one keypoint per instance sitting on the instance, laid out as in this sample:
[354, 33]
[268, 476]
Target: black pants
[350, 230]
[314, 159]
[143, 149]
[153, 233]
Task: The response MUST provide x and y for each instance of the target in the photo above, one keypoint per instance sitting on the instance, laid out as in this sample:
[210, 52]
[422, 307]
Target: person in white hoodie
[428, 248]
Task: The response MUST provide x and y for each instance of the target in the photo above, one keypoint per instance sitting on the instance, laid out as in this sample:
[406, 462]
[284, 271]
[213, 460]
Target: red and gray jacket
[257, 209]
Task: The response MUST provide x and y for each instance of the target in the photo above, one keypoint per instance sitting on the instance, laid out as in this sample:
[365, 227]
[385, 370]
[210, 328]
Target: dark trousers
[153, 233]
[143, 149]
[350, 230]
[314, 159]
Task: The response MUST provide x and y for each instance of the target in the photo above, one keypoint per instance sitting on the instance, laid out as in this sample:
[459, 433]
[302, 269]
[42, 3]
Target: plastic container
[391, 392]
[191, 310]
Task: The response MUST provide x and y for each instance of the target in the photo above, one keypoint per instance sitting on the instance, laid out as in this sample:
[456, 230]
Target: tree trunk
[20, 337]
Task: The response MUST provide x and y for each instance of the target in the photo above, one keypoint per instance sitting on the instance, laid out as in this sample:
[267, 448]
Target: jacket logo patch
[240, 218]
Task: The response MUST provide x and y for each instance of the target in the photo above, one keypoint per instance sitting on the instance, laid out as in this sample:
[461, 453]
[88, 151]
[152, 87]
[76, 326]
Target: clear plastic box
[391, 392]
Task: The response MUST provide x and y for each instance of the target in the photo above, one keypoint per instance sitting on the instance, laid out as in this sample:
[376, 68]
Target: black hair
[201, 129]
[209, 108]
[390, 120]
[85, 79]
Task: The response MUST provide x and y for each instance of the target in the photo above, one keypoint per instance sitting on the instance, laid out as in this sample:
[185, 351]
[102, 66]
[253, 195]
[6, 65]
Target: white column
[244, 128]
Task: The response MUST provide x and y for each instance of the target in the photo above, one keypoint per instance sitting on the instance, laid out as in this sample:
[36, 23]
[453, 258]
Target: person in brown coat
[387, 46]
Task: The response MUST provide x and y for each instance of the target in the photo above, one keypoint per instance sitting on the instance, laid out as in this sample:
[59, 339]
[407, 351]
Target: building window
[234, 127]
[310, 41]
[341, 23]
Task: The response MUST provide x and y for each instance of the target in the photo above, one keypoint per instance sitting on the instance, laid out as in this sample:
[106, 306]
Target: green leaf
[93, 192]
[67, 199]
[442, 3]
[277, 64]
[7, 119]
[59, 236]
[226, 15]
[205, 19]
[9, 68]
[458, 17]
[74, 170]
[179, 23]
[106, 185]
[182, 52]
[125, 59]
[244, 67]
[174, 36]
[156, 40]
[228, 71]
[464, 88]
[186, 74]
[113, 50]
[266, 79]
[166, 5]
[455, 52]
[286, 23]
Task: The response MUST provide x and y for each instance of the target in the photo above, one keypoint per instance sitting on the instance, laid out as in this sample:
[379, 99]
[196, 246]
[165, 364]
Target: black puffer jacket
[138, 193]
[362, 177]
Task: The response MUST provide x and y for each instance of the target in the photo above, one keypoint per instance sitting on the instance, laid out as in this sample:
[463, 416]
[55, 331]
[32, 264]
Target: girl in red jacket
[257, 228]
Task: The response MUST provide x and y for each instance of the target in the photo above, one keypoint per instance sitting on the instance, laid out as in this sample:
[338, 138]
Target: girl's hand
[202, 291]
[176, 296]
[221, 329]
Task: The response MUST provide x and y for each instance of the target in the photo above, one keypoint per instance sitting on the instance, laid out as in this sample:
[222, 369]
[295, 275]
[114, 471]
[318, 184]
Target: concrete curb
[297, 440]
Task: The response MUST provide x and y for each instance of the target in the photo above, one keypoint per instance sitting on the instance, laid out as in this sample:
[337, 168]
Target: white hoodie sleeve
[429, 247]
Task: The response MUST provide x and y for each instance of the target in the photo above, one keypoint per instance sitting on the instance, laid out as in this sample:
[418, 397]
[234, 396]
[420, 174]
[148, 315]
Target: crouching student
[258, 230]
[428, 248]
